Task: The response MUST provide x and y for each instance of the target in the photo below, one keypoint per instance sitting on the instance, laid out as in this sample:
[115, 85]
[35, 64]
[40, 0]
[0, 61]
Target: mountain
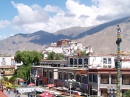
[100, 37]
[103, 40]
[73, 31]
[33, 41]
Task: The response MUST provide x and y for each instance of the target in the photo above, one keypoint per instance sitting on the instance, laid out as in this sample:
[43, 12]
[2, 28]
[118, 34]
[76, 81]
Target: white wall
[125, 64]
[6, 60]
[55, 73]
[97, 61]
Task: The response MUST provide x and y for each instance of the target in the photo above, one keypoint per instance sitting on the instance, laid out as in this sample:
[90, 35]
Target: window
[113, 79]
[84, 79]
[60, 75]
[90, 77]
[51, 74]
[104, 79]
[109, 61]
[104, 60]
[85, 61]
[3, 61]
[78, 78]
[45, 74]
[65, 76]
[71, 61]
[71, 76]
[80, 61]
[126, 79]
[75, 61]
[34, 72]
[94, 78]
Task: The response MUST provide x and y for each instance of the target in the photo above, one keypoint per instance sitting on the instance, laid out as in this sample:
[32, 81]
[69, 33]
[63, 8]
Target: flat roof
[69, 68]
[54, 61]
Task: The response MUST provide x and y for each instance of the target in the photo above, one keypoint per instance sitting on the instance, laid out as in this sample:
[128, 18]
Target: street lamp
[70, 87]
[35, 77]
[111, 91]
[70, 81]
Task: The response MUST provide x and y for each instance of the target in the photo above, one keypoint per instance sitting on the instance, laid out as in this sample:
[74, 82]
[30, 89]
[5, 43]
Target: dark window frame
[107, 78]
[80, 61]
[109, 61]
[104, 60]
[78, 78]
[113, 79]
[71, 61]
[90, 77]
[94, 78]
[125, 79]
[85, 79]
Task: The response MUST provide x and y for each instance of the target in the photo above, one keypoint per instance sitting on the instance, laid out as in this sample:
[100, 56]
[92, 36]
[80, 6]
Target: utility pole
[119, 40]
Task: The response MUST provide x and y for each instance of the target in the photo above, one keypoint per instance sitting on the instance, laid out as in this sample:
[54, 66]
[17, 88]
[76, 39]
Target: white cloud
[4, 23]
[53, 18]
[28, 16]
[50, 8]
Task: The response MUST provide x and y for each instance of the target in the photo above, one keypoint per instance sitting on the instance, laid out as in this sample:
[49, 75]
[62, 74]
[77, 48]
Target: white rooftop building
[66, 47]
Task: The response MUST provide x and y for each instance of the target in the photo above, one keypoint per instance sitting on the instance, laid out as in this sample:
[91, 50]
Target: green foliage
[23, 71]
[126, 94]
[54, 56]
[5, 78]
[51, 56]
[28, 58]
[83, 53]
[12, 79]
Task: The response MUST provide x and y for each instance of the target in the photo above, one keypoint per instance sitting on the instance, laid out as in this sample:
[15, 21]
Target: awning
[50, 85]
[94, 90]
[103, 88]
[124, 89]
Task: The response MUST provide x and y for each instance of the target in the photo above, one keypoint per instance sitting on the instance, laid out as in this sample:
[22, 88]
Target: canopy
[31, 84]
[29, 89]
[46, 94]
[50, 85]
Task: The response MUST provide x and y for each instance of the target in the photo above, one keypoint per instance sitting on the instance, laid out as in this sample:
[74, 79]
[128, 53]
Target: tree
[126, 94]
[28, 58]
[83, 53]
[12, 79]
[51, 56]
[5, 78]
[54, 56]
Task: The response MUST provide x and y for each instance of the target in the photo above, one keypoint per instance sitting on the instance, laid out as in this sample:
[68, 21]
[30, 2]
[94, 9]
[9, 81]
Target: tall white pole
[70, 89]
[30, 76]
[35, 80]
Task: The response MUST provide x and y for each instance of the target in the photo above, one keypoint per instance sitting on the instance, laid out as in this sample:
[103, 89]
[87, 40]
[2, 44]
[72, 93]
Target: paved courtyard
[12, 94]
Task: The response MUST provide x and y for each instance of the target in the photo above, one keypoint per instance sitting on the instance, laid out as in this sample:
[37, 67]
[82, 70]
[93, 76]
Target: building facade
[94, 75]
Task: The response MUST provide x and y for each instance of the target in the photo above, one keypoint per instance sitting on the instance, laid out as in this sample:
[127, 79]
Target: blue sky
[28, 16]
